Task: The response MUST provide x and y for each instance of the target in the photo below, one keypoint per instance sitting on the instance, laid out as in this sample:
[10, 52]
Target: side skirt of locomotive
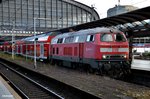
[113, 68]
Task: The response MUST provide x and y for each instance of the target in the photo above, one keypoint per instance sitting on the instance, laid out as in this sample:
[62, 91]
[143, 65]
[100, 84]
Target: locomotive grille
[114, 56]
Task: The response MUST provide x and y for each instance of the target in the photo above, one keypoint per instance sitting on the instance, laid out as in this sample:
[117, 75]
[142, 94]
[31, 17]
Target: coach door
[21, 51]
[41, 50]
[17, 49]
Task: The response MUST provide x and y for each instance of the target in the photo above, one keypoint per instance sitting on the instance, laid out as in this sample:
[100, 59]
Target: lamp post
[35, 65]
[35, 39]
[13, 43]
[13, 39]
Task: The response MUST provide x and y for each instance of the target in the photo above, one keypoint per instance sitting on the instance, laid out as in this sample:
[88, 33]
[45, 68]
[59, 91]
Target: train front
[113, 49]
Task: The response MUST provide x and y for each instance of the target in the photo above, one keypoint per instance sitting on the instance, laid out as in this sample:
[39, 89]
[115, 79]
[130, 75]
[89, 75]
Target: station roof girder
[131, 17]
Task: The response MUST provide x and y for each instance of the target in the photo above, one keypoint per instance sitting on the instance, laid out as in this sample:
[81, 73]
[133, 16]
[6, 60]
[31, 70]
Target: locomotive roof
[88, 31]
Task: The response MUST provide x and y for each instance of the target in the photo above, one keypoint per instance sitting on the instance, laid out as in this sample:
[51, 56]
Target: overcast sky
[101, 6]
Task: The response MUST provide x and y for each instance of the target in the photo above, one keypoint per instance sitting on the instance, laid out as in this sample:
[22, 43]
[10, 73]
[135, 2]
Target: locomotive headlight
[104, 56]
[125, 56]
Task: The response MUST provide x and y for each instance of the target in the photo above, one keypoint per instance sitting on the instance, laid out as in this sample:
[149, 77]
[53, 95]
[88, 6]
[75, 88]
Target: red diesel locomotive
[103, 49]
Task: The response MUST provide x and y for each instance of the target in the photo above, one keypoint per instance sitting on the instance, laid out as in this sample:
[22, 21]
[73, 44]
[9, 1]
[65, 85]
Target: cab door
[81, 50]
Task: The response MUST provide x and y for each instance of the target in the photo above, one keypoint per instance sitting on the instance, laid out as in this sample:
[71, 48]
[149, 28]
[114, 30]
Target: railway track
[27, 87]
[33, 85]
[140, 77]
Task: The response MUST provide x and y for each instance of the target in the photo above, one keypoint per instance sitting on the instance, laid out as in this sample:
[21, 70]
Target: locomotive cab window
[90, 38]
[119, 38]
[106, 37]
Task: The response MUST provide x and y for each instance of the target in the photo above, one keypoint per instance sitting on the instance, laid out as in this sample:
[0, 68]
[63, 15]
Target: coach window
[90, 38]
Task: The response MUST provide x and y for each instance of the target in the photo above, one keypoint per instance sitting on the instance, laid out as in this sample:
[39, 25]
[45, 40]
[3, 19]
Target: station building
[49, 15]
[120, 9]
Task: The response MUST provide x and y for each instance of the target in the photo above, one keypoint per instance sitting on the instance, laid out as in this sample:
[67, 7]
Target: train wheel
[110, 73]
[126, 68]
[100, 71]
[115, 73]
[59, 63]
[90, 69]
[73, 65]
[52, 62]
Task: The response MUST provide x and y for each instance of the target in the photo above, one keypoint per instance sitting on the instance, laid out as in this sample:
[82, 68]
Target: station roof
[131, 23]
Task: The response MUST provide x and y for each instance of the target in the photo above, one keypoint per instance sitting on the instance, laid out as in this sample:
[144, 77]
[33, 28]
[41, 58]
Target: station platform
[6, 92]
[140, 64]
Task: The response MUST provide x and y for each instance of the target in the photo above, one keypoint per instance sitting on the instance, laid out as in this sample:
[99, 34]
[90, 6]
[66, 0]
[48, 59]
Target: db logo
[115, 49]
